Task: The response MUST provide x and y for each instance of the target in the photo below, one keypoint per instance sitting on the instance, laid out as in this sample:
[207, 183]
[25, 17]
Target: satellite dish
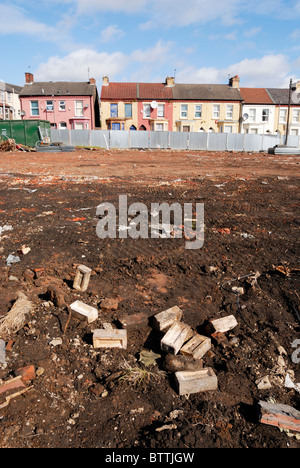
[154, 105]
[245, 117]
[296, 97]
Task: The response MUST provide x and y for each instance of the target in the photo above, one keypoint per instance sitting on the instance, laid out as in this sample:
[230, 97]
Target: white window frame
[252, 115]
[63, 126]
[34, 108]
[283, 115]
[229, 111]
[184, 111]
[79, 109]
[62, 106]
[228, 129]
[296, 116]
[50, 107]
[161, 110]
[265, 115]
[146, 111]
[216, 111]
[198, 111]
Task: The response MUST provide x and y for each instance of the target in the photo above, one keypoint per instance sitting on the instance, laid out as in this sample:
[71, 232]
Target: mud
[82, 397]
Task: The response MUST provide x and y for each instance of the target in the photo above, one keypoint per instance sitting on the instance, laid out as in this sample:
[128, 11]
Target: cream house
[280, 97]
[10, 107]
[207, 107]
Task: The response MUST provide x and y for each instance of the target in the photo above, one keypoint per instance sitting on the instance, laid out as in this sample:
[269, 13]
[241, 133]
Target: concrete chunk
[83, 311]
[110, 338]
[194, 382]
[196, 346]
[175, 337]
[164, 320]
[82, 278]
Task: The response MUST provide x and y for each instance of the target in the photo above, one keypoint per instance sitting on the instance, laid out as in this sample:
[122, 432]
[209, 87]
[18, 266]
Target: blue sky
[198, 41]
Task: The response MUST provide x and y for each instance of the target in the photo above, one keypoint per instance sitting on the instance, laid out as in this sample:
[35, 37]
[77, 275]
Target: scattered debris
[16, 317]
[175, 337]
[134, 320]
[110, 338]
[195, 382]
[148, 358]
[82, 311]
[281, 416]
[12, 259]
[82, 278]
[164, 320]
[2, 352]
[7, 145]
[222, 325]
[24, 250]
[109, 304]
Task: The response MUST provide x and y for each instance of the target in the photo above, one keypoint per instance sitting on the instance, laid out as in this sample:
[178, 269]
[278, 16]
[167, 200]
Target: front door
[116, 126]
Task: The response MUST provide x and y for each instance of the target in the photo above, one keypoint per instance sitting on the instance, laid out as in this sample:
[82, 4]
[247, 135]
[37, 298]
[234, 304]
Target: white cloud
[111, 33]
[268, 71]
[74, 66]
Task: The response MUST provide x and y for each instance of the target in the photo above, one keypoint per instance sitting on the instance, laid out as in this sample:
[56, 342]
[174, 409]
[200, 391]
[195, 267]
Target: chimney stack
[234, 82]
[28, 78]
[105, 81]
[170, 81]
[92, 81]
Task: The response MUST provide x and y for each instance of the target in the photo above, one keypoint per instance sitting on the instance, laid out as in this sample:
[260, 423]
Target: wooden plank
[194, 382]
[196, 346]
[164, 320]
[175, 337]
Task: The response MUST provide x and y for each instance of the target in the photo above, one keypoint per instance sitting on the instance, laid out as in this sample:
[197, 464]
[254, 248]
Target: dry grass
[16, 317]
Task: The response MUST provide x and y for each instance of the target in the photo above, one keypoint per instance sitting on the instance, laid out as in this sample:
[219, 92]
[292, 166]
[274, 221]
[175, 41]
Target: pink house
[66, 105]
[155, 106]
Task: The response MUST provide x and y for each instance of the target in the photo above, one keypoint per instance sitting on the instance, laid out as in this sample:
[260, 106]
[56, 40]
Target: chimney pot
[105, 81]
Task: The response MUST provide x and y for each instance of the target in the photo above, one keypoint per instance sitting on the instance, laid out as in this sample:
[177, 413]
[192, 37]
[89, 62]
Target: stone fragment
[164, 320]
[82, 278]
[84, 312]
[195, 382]
[175, 337]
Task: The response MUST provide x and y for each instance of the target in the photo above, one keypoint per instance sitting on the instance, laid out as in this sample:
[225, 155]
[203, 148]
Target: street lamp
[292, 89]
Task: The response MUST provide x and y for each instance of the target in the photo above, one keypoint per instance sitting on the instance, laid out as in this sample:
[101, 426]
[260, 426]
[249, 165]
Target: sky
[197, 41]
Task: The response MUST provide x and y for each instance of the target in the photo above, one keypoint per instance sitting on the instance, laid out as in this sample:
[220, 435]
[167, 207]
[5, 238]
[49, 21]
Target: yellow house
[207, 107]
[284, 115]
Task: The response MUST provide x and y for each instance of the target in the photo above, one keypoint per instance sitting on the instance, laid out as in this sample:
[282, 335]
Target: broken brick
[26, 373]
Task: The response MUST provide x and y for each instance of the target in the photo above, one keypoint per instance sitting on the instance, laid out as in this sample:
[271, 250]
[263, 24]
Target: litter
[82, 278]
[5, 229]
[83, 311]
[12, 259]
[16, 317]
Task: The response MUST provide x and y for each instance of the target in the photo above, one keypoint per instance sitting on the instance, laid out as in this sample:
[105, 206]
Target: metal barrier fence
[170, 140]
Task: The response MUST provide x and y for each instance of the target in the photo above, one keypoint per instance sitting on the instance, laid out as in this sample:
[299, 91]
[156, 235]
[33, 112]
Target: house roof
[256, 96]
[279, 95]
[211, 92]
[147, 91]
[58, 88]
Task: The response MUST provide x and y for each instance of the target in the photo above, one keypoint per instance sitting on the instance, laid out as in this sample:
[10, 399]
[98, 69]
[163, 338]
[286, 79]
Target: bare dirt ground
[90, 398]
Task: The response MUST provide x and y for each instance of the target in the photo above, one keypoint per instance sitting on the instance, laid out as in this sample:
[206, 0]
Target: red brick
[26, 373]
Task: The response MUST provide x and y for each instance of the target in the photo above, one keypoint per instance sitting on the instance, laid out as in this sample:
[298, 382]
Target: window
[62, 105]
[227, 128]
[294, 131]
[265, 115]
[62, 125]
[34, 107]
[9, 97]
[79, 126]
[254, 131]
[216, 111]
[114, 110]
[252, 115]
[49, 106]
[198, 111]
[53, 125]
[159, 127]
[161, 110]
[296, 115]
[79, 108]
[146, 111]
[282, 115]
[128, 111]
[2, 96]
[184, 111]
[229, 112]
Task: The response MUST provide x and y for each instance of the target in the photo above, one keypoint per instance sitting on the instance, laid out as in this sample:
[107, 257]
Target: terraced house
[285, 114]
[137, 106]
[171, 107]
[67, 105]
